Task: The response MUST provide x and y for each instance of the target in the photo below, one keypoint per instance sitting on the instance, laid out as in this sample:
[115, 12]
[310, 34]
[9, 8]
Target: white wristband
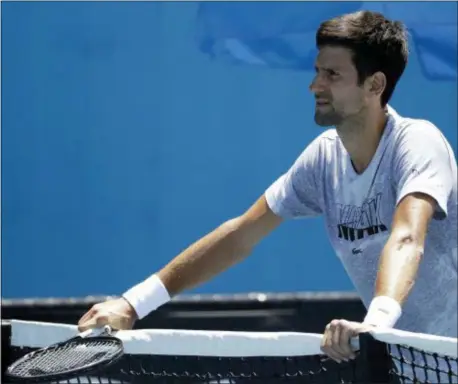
[383, 312]
[147, 296]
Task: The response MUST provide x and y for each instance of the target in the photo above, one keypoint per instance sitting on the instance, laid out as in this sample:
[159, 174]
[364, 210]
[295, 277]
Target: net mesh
[174, 356]
[412, 365]
[192, 369]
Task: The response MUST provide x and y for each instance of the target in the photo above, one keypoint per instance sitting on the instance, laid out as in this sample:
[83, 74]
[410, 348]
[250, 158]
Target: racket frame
[87, 369]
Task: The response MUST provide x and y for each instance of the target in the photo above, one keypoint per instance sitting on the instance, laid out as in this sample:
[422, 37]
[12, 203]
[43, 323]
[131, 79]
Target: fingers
[92, 319]
[86, 316]
[116, 314]
[343, 342]
[86, 320]
[336, 340]
[327, 342]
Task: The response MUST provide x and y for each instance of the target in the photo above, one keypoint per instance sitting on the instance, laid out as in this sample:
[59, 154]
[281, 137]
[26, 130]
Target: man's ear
[377, 83]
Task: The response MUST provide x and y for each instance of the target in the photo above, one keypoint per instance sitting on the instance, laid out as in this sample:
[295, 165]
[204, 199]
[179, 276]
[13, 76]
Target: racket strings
[66, 358]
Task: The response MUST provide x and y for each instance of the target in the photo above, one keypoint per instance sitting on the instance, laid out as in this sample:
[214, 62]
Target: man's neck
[361, 136]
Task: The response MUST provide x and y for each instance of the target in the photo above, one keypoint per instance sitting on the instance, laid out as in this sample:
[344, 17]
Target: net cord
[222, 343]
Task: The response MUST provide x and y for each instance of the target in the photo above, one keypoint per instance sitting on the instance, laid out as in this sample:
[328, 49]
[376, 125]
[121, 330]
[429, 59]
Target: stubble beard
[328, 118]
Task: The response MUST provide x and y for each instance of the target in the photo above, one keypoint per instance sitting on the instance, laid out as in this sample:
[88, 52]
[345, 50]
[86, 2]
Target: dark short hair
[378, 45]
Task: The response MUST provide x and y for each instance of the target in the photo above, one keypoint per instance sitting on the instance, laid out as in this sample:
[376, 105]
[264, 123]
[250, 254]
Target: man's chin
[325, 120]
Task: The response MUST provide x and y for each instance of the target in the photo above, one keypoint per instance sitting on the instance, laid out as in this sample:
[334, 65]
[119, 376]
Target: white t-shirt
[413, 156]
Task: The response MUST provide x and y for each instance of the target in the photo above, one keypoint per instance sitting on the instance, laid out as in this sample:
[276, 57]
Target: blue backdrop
[129, 130]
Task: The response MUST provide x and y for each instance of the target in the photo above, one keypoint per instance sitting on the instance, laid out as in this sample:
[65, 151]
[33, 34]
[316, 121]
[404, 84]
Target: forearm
[398, 268]
[200, 262]
[204, 259]
[228, 244]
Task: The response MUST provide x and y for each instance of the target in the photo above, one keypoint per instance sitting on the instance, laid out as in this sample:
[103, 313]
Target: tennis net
[186, 356]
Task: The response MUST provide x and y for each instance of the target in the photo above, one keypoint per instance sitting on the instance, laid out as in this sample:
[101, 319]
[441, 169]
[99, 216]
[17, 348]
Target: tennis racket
[84, 354]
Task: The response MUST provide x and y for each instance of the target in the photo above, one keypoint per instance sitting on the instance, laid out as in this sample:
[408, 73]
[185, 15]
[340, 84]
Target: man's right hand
[118, 314]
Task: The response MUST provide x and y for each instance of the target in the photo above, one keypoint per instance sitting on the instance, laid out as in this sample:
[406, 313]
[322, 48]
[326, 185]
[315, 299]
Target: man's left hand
[336, 339]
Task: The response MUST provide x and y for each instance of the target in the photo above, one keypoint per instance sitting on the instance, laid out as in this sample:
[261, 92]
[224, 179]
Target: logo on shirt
[359, 222]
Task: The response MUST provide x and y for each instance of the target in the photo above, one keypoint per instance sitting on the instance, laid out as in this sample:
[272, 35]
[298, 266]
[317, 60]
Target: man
[386, 185]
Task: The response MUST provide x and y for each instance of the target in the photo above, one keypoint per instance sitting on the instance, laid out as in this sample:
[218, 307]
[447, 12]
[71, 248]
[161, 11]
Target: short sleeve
[423, 164]
[295, 194]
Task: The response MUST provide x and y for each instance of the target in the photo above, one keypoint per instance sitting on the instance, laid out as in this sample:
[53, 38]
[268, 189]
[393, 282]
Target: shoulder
[414, 129]
[409, 127]
[413, 134]
[419, 143]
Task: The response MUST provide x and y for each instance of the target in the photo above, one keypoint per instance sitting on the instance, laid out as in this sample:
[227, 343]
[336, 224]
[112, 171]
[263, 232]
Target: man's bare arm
[398, 268]
[403, 252]
[400, 258]
[227, 245]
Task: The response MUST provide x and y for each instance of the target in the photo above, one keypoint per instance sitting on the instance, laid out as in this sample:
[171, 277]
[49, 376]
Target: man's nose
[318, 85]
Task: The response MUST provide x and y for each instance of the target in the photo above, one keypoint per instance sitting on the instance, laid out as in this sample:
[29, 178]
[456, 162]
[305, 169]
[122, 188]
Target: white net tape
[239, 344]
[221, 343]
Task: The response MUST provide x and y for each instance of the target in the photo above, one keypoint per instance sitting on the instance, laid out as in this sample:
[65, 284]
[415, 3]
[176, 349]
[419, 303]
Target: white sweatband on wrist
[383, 312]
[147, 296]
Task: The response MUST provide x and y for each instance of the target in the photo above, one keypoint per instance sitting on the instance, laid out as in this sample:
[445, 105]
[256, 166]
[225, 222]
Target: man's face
[337, 93]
